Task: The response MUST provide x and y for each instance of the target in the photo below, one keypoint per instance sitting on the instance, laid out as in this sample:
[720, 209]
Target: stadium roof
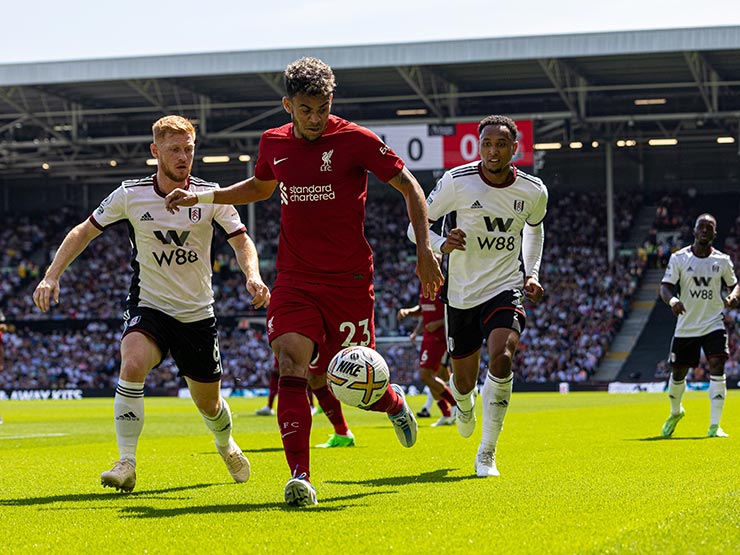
[78, 116]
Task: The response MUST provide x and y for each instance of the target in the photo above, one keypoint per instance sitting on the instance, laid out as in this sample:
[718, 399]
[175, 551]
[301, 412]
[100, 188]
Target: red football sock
[444, 407]
[274, 376]
[447, 396]
[294, 419]
[332, 409]
[390, 403]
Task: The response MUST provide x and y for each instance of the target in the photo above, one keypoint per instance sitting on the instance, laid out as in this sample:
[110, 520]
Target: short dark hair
[309, 76]
[499, 120]
[705, 216]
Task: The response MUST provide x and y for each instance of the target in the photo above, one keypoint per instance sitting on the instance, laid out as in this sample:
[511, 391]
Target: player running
[433, 353]
[169, 308]
[324, 288]
[699, 272]
[492, 247]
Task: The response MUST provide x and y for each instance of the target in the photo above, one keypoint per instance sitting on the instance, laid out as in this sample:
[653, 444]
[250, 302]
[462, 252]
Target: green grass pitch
[581, 473]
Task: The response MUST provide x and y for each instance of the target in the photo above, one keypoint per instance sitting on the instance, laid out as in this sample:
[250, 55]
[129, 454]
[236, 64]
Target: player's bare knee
[133, 371]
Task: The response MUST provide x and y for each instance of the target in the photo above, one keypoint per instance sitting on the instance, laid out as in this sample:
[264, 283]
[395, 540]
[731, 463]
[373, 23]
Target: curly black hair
[309, 76]
[499, 120]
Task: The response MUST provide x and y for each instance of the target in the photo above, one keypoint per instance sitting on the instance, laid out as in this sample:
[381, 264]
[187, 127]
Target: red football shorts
[433, 349]
[331, 316]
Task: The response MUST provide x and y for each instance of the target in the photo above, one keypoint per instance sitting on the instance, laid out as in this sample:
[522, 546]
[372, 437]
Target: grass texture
[581, 473]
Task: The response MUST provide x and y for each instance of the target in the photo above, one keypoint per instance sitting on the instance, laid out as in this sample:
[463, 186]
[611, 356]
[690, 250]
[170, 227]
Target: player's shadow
[326, 504]
[663, 438]
[435, 476]
[102, 496]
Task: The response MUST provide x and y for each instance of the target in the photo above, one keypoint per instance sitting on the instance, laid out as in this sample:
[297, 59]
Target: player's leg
[195, 350]
[717, 352]
[464, 338]
[139, 354]
[295, 328]
[433, 351]
[496, 396]
[330, 405]
[267, 410]
[438, 388]
[216, 414]
[294, 352]
[683, 356]
[424, 411]
[463, 383]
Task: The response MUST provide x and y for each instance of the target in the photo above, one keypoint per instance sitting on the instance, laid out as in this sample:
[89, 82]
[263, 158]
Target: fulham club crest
[519, 206]
[195, 213]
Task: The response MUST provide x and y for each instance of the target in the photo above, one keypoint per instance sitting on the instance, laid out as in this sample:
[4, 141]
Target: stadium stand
[567, 334]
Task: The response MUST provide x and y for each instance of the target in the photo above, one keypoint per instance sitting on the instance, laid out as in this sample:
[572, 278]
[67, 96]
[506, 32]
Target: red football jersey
[431, 311]
[323, 189]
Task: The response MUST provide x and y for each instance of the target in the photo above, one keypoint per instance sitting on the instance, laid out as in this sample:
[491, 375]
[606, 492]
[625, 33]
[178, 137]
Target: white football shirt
[171, 253]
[492, 217]
[699, 281]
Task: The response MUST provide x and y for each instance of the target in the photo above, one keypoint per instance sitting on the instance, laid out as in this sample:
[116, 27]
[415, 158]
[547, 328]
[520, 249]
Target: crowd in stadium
[567, 333]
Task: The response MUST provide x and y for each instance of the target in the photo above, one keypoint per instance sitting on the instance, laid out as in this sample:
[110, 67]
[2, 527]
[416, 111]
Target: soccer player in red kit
[324, 289]
[433, 352]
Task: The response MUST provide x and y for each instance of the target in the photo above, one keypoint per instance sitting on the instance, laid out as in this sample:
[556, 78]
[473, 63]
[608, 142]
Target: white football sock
[220, 424]
[496, 395]
[675, 393]
[128, 414]
[465, 402]
[717, 394]
[430, 399]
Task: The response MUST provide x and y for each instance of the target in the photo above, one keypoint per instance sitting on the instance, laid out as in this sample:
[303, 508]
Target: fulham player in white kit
[692, 287]
[492, 245]
[169, 308]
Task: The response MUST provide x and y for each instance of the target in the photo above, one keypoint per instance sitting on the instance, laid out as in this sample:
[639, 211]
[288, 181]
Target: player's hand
[732, 301]
[179, 197]
[46, 292]
[402, 313]
[260, 293]
[678, 309]
[427, 269]
[455, 241]
[533, 290]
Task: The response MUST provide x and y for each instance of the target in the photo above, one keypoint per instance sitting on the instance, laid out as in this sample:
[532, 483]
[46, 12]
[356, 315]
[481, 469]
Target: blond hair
[171, 124]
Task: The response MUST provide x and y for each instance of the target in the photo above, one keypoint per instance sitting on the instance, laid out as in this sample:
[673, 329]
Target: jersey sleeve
[262, 168]
[376, 156]
[672, 271]
[728, 274]
[540, 208]
[441, 200]
[111, 210]
[228, 219]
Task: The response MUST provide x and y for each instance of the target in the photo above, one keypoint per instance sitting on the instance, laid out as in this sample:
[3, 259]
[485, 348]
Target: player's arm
[244, 192]
[72, 246]
[668, 294]
[533, 239]
[427, 268]
[417, 331]
[435, 325]
[733, 299]
[246, 256]
[413, 311]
